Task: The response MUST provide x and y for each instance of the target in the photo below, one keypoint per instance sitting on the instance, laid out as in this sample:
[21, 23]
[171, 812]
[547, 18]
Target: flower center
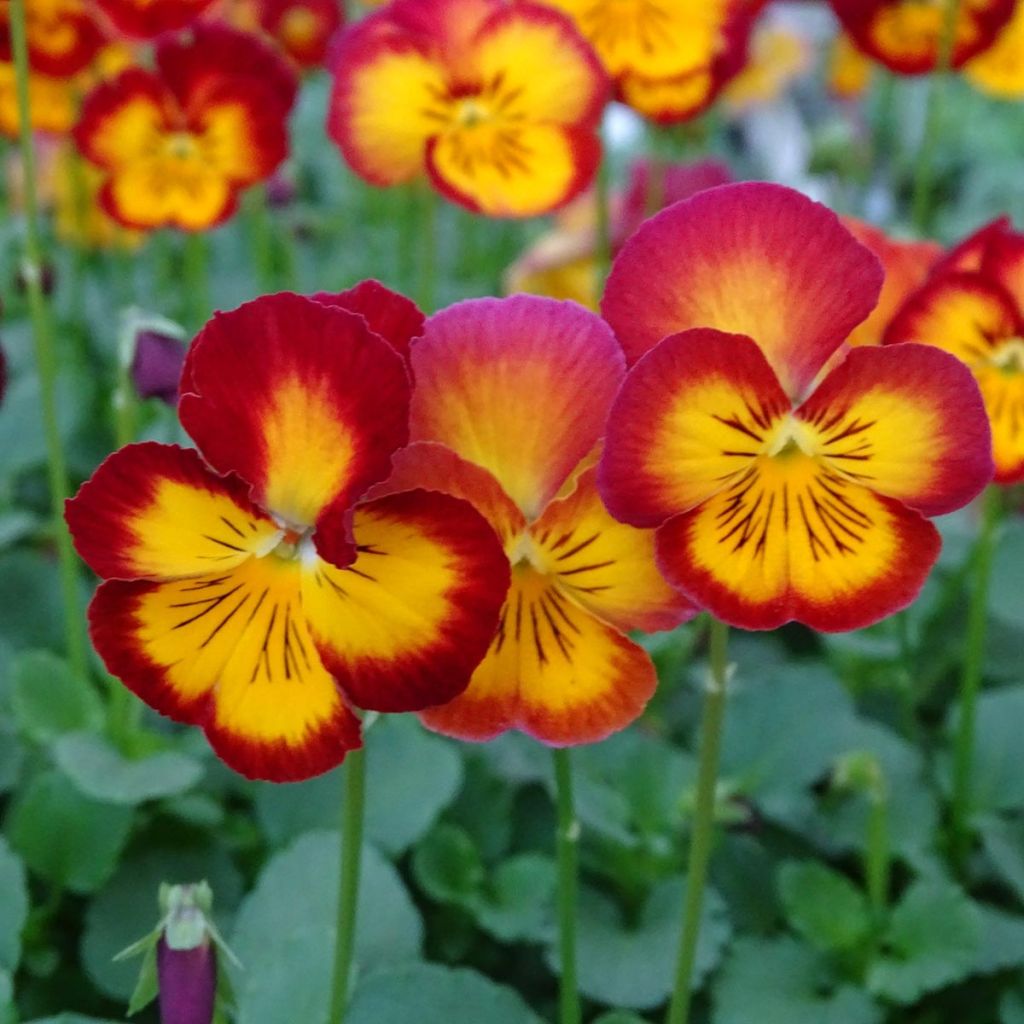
[181, 146]
[792, 437]
[470, 112]
[1009, 357]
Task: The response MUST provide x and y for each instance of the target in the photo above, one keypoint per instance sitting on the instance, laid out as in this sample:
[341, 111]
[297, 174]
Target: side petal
[606, 566]
[481, 364]
[122, 119]
[791, 541]
[1004, 261]
[146, 19]
[154, 510]
[970, 253]
[513, 169]
[430, 466]
[398, 320]
[554, 671]
[406, 624]
[547, 70]
[906, 421]
[302, 401]
[389, 98]
[691, 416]
[231, 653]
[753, 259]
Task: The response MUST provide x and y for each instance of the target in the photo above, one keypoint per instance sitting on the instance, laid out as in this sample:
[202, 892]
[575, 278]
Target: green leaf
[619, 1017]
[31, 599]
[72, 1018]
[933, 940]
[65, 837]
[1002, 941]
[147, 988]
[446, 865]
[13, 906]
[431, 994]
[285, 930]
[415, 776]
[1003, 840]
[520, 903]
[16, 524]
[127, 908]
[102, 773]
[1011, 1009]
[1005, 595]
[780, 981]
[825, 907]
[633, 967]
[48, 699]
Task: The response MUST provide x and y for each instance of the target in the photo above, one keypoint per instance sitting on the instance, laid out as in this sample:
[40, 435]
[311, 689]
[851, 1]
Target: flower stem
[261, 238]
[426, 284]
[924, 176]
[703, 821]
[977, 619]
[354, 776]
[878, 858]
[197, 284]
[43, 335]
[568, 870]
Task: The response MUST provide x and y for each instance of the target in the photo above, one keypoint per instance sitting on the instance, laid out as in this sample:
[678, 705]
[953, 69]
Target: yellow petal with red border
[403, 627]
[999, 70]
[506, 167]
[123, 120]
[791, 540]
[481, 362]
[554, 670]
[154, 510]
[604, 565]
[669, 99]
[230, 652]
[1002, 387]
[388, 100]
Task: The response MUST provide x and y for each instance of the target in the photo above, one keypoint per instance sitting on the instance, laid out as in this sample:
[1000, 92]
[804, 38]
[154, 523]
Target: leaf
[415, 776]
[72, 1018]
[285, 930]
[825, 907]
[14, 905]
[1002, 941]
[780, 981]
[634, 967]
[619, 1017]
[1011, 1009]
[48, 699]
[147, 988]
[1003, 840]
[446, 865]
[1005, 595]
[127, 907]
[31, 599]
[520, 906]
[100, 772]
[16, 524]
[933, 940]
[65, 837]
[431, 994]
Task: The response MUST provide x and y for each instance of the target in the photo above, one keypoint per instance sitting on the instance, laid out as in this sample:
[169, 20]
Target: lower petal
[795, 542]
[406, 624]
[554, 670]
[1004, 402]
[514, 170]
[156, 194]
[669, 99]
[233, 654]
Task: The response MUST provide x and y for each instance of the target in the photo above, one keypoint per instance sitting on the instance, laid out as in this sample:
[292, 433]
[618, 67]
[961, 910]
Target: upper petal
[301, 400]
[1004, 261]
[404, 626]
[148, 18]
[520, 386]
[691, 415]
[154, 510]
[753, 259]
[906, 421]
[398, 320]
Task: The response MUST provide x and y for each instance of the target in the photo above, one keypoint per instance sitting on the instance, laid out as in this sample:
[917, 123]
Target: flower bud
[156, 365]
[186, 959]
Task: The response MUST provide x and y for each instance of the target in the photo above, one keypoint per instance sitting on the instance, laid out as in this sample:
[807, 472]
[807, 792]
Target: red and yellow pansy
[775, 499]
[973, 308]
[668, 58]
[251, 587]
[497, 102]
[179, 143]
[63, 36]
[906, 35]
[560, 667]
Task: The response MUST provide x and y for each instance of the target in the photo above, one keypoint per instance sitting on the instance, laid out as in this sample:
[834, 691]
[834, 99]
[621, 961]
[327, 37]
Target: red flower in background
[63, 36]
[145, 19]
[302, 28]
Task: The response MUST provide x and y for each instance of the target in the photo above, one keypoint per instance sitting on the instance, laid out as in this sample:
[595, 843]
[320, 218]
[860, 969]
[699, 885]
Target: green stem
[354, 776]
[878, 858]
[426, 285]
[46, 358]
[261, 238]
[702, 834]
[568, 871]
[974, 657]
[197, 284]
[603, 198]
[924, 176]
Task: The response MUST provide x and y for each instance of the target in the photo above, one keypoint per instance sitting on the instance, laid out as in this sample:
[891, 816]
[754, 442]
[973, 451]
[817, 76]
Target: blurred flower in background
[999, 70]
[146, 19]
[302, 28]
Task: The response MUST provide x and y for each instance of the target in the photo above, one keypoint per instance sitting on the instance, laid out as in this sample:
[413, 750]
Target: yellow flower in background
[849, 69]
[778, 56]
[999, 71]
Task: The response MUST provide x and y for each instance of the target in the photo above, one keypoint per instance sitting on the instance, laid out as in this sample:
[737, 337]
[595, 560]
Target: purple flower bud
[280, 190]
[188, 983]
[156, 367]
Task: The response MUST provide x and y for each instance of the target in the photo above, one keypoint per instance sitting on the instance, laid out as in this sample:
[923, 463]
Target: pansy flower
[250, 587]
[63, 36]
[146, 19]
[999, 70]
[774, 499]
[178, 144]
[498, 102]
[560, 666]
[668, 58]
[973, 308]
[302, 28]
[906, 35]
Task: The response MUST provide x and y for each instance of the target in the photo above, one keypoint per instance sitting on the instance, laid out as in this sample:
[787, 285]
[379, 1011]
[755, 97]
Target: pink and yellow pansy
[777, 497]
[498, 102]
[510, 403]
[973, 308]
[251, 588]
